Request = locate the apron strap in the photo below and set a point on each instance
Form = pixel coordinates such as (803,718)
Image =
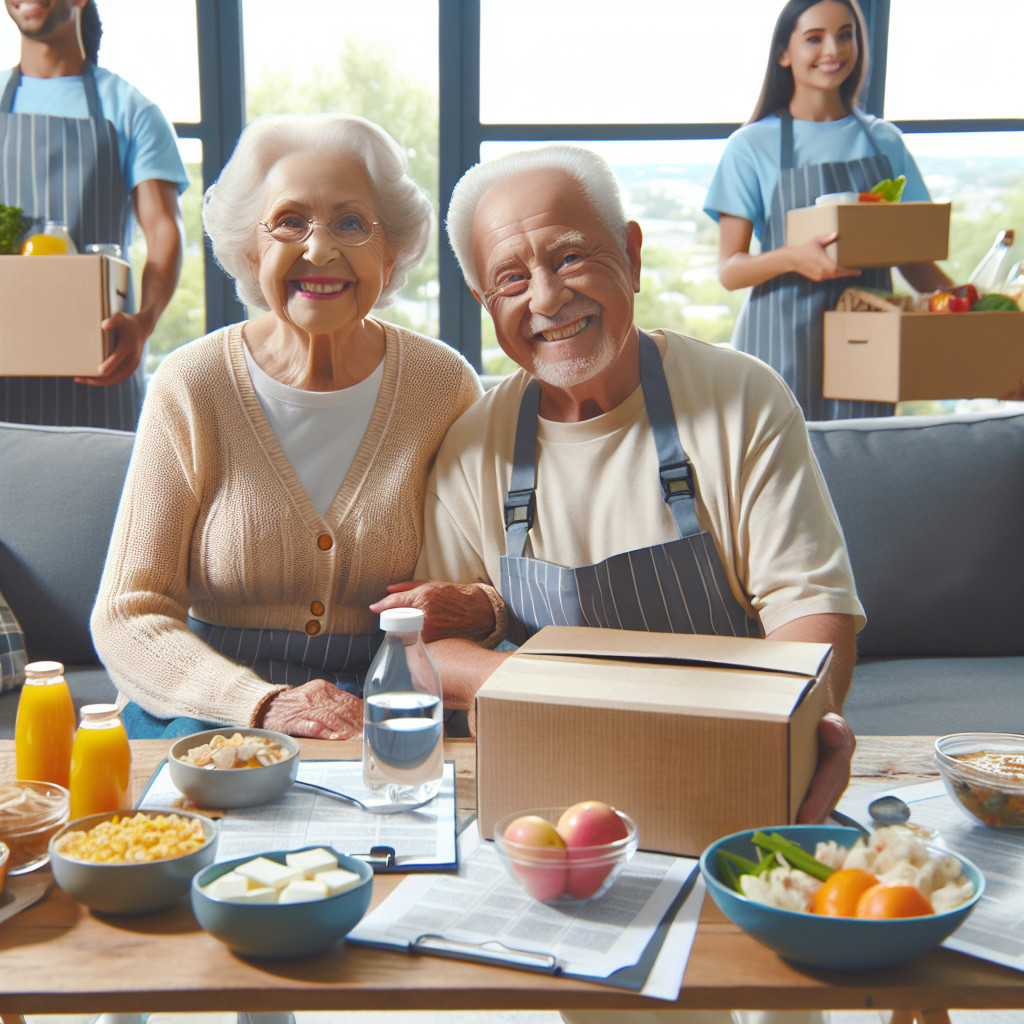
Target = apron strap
(92,95)
(521,502)
(786,141)
(862,121)
(673,464)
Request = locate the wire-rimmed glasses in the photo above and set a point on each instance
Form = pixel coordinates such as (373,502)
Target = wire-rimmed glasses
(347,229)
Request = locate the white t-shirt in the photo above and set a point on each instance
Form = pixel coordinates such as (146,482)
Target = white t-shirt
(320,431)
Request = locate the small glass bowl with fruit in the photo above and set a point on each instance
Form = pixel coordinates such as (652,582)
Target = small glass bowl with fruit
(984,773)
(566,854)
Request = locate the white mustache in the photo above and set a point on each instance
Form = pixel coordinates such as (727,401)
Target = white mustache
(574,310)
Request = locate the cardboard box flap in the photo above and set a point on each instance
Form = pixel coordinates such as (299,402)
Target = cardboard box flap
(659,687)
(782,656)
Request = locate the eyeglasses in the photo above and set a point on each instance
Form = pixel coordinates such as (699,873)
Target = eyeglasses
(347,229)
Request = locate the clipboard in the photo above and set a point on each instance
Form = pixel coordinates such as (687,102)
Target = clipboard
(302,817)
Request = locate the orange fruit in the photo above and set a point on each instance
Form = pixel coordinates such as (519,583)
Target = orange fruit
(44,245)
(893,900)
(840,892)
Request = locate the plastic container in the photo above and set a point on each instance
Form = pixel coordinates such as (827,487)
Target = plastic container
(45,725)
(403,712)
(101,763)
(30,814)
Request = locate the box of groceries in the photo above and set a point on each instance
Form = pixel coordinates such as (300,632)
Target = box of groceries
(694,737)
(52,309)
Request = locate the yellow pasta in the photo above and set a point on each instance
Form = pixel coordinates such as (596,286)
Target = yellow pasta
(134,839)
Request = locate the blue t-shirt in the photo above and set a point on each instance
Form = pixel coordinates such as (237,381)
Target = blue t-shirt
(745,179)
(145,138)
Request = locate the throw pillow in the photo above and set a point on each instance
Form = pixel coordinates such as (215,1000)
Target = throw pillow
(12,649)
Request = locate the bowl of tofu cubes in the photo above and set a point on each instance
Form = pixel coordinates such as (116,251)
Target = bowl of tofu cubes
(285,904)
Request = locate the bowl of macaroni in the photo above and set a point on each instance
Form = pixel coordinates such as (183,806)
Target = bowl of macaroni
(132,862)
(227,768)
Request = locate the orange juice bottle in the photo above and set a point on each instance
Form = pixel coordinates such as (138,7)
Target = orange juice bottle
(45,726)
(100,763)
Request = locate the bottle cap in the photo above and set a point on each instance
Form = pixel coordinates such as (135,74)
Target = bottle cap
(99,712)
(401,620)
(40,669)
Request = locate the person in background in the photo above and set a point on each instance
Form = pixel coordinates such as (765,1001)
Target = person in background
(277,481)
(80,145)
(620,479)
(806,138)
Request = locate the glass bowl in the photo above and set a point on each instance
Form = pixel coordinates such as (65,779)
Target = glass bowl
(563,875)
(984,773)
(30,813)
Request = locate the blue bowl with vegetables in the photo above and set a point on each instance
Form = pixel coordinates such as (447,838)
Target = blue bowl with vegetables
(816,939)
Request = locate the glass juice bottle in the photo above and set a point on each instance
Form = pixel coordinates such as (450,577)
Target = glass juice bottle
(100,763)
(45,725)
(403,756)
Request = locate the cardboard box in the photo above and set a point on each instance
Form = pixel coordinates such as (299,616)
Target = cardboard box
(52,308)
(875,234)
(901,357)
(693,736)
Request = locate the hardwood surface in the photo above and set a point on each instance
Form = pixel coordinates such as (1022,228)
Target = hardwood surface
(58,957)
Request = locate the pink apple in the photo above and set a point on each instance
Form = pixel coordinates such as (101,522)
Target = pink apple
(538,857)
(589,824)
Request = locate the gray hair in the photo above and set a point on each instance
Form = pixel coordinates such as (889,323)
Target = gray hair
(592,173)
(231,206)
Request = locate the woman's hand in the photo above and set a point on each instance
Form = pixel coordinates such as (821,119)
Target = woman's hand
(836,743)
(812,261)
(451,610)
(318,709)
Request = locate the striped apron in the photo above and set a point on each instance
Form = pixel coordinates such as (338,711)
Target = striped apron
(280,656)
(676,587)
(783,321)
(66,169)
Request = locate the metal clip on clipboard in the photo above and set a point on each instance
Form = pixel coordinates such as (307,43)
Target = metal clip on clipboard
(378,857)
(486,952)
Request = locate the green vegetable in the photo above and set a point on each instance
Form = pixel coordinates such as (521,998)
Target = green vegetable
(13,225)
(796,856)
(994,301)
(891,189)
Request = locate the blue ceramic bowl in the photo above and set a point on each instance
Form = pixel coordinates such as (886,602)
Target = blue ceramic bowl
(281,931)
(834,943)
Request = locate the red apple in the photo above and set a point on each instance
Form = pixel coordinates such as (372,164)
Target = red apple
(589,824)
(538,857)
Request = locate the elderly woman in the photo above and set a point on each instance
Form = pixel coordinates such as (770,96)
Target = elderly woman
(277,482)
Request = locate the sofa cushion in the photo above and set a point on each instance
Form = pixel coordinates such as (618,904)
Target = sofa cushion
(12,649)
(61,487)
(931,508)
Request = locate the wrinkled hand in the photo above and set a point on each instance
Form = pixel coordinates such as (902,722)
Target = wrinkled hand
(459,610)
(317,708)
(130,334)
(813,262)
(832,775)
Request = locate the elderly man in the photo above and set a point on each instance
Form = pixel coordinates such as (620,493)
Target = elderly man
(621,479)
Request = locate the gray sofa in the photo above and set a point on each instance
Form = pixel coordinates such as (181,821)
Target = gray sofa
(932,509)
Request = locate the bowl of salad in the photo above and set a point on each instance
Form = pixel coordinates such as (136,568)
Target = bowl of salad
(821,896)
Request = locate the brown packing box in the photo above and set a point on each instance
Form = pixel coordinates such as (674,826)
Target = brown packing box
(902,357)
(875,234)
(695,737)
(50,313)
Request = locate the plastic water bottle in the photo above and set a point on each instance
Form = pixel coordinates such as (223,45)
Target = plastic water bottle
(991,273)
(403,757)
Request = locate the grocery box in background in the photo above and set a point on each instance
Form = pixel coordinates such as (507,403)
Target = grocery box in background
(903,357)
(52,307)
(875,234)
(694,737)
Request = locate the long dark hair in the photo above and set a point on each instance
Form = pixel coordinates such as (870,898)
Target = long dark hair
(92,31)
(777,88)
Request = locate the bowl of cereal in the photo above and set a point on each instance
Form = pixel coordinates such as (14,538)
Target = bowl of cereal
(284,904)
(132,862)
(30,813)
(227,768)
(984,773)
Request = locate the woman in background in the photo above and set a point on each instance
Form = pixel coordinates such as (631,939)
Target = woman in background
(276,486)
(806,138)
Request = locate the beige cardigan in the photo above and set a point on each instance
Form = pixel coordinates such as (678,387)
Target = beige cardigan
(214,522)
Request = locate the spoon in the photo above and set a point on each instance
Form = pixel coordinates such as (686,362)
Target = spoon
(377,808)
(891,810)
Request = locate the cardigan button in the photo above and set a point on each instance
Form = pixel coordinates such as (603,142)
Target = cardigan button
(317,608)
(325,542)
(312,627)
